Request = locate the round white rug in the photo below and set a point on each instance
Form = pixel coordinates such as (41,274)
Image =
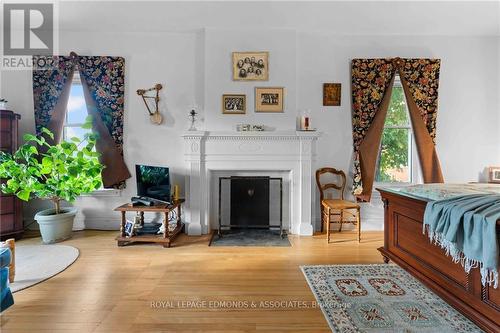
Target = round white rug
(37,263)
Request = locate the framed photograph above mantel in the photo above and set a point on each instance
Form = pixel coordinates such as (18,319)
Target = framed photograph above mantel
(250,66)
(269,99)
(234,104)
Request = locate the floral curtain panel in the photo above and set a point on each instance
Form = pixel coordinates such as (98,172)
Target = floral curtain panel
(420,80)
(52,77)
(372,81)
(422,76)
(103,80)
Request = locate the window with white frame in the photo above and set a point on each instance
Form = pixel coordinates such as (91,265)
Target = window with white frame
(397,160)
(76,111)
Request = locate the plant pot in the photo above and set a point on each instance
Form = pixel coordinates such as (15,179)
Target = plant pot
(56,227)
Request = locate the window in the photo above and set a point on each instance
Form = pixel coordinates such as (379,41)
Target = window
(397,159)
(76,111)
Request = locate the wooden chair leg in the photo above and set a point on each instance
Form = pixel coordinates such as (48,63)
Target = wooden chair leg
(328,226)
(322,217)
(341,219)
(358,218)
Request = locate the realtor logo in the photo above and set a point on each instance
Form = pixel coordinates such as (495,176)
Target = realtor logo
(28,29)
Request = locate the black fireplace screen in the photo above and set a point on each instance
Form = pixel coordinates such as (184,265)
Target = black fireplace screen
(250,202)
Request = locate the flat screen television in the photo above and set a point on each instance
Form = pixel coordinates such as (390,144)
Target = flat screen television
(153,182)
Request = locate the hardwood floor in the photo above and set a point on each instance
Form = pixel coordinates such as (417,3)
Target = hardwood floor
(111,289)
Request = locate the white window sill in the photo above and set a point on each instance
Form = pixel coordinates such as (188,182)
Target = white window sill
(105,192)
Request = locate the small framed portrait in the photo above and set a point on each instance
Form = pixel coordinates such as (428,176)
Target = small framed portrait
(331,94)
(234,104)
(250,66)
(494,174)
(269,99)
(129,228)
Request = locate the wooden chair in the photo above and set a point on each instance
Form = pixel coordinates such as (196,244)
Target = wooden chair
(336,207)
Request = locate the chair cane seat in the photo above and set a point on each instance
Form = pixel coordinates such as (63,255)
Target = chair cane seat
(339,204)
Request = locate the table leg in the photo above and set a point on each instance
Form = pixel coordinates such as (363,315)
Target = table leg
(178,216)
(165,225)
(122,227)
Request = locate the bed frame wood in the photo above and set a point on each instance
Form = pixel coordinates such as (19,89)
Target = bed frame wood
(408,247)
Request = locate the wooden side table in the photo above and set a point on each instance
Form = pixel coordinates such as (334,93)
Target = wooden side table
(166,238)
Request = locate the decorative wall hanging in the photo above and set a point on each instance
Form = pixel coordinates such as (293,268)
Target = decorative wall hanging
(250,66)
(234,104)
(269,99)
(331,94)
(153,110)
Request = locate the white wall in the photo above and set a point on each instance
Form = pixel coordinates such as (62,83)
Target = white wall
(195,67)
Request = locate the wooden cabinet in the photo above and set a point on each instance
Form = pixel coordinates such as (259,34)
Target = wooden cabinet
(11,218)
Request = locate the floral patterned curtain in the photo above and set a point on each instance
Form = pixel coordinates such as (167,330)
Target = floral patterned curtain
(422,76)
(420,80)
(370,81)
(103,79)
(371,89)
(51,83)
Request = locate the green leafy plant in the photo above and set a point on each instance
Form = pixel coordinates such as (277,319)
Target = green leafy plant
(56,172)
(394,147)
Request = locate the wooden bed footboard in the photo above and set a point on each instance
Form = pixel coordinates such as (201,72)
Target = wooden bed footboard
(407,246)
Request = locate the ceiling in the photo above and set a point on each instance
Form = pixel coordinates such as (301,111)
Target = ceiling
(460,18)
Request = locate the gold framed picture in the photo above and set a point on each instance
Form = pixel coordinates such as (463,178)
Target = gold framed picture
(234,104)
(269,99)
(250,66)
(494,175)
(331,94)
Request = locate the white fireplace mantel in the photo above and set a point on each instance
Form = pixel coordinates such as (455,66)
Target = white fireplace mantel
(291,151)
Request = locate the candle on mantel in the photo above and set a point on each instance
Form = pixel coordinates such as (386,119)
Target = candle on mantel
(306,123)
(305,120)
(176,192)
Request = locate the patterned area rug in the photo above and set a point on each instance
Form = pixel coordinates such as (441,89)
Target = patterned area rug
(380,298)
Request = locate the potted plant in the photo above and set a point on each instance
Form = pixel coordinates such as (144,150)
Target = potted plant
(55,172)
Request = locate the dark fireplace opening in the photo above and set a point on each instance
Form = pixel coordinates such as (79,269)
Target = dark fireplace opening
(250,202)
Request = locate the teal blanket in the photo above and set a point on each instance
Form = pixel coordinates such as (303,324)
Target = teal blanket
(465,227)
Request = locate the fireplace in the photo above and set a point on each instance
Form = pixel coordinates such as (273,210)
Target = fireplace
(286,154)
(250,202)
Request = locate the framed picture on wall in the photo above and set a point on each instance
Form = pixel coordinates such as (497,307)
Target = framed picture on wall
(331,94)
(269,99)
(494,175)
(250,66)
(234,104)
